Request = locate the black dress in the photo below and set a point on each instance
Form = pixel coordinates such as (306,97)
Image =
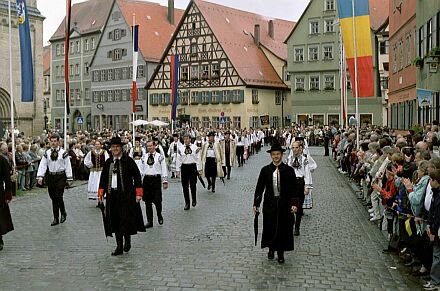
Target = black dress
(278,220)
(5,194)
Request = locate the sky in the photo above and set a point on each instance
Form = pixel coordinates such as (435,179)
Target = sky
(54,10)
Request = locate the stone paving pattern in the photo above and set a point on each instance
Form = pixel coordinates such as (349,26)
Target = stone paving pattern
(210,247)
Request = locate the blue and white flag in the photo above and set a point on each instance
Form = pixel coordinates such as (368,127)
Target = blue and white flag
(27,70)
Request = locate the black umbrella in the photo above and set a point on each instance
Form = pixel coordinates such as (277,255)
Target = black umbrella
(256,226)
(106,221)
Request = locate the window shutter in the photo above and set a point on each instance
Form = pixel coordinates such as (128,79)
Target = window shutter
(124,52)
(209,97)
(110,54)
(110,35)
(123,32)
(168,98)
(241,96)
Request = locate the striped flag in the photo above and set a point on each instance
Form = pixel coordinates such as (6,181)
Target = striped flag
(27,71)
(66,55)
(135,60)
(174,84)
(363,47)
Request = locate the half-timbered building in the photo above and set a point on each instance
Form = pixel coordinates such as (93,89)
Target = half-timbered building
(232,69)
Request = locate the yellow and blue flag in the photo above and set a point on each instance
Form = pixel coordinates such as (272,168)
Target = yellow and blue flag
(363,48)
(27,70)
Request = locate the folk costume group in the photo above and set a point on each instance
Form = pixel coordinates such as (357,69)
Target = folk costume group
(121,179)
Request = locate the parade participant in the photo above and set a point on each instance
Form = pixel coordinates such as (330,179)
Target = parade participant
(239,150)
(156,177)
(158,146)
(137,153)
(303,164)
(188,163)
(57,162)
(5,197)
(212,161)
(95,160)
(228,152)
(122,185)
(172,153)
(277,183)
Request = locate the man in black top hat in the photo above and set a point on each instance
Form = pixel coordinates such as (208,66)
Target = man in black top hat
(276,183)
(121,184)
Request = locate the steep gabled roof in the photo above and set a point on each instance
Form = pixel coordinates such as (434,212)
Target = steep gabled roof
(89,16)
(155,31)
(46,60)
(234,30)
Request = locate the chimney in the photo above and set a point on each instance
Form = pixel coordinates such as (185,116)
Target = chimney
(257,35)
(270,29)
(171,12)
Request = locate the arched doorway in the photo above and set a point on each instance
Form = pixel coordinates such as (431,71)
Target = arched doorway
(5,108)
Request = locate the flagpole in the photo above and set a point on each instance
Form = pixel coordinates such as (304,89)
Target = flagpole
(355,77)
(341,78)
(11,89)
(134,78)
(66,94)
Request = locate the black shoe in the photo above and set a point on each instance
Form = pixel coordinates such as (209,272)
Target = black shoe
(209,187)
(63,218)
(160,219)
(228,178)
(149,225)
(187,206)
(271,255)
(296,232)
(280,257)
(118,251)
(127,244)
(194,203)
(213,190)
(55,222)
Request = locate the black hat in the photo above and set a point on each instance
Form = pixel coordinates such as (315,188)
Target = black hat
(211,133)
(228,132)
(299,138)
(276,147)
(175,134)
(137,138)
(116,140)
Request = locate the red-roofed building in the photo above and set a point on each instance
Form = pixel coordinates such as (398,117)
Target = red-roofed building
(231,70)
(111,67)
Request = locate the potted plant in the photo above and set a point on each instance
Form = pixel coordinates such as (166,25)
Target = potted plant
(418,62)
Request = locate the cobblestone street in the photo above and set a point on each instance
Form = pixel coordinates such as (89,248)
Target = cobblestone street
(210,247)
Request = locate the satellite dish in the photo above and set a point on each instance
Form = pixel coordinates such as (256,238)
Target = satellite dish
(352,121)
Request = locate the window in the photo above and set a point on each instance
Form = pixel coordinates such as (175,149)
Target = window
(205,97)
(193,49)
(72,47)
(214,97)
(205,121)
(215,70)
(236,121)
(299,83)
(77,69)
(86,69)
(58,98)
(421,43)
(78,94)
(255,96)
(314,83)
(63,49)
(103,75)
(215,122)
(95,97)
(96,76)
(277,97)
(63,95)
(86,45)
(124,73)
(384,82)
(110,74)
(429,35)
(329,4)
(116,54)
(329,26)
(87,94)
(117,95)
(124,94)
(286,74)
(110,96)
(184,73)
(236,96)
(141,71)
(400,54)
(194,97)
(408,49)
(78,46)
(205,72)
(92,40)
(225,97)
(195,72)
(384,47)
(328,52)
(117,74)
(313,53)
(58,72)
(71,70)
(103,96)
(117,34)
(314,27)
(58,51)
(394,59)
(329,82)
(184,96)
(275,121)
(299,54)
(62,71)
(72,95)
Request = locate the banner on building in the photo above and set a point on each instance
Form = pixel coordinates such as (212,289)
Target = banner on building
(174,85)
(27,70)
(135,61)
(424,97)
(357,25)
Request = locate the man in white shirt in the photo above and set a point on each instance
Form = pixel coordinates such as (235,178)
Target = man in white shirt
(155,177)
